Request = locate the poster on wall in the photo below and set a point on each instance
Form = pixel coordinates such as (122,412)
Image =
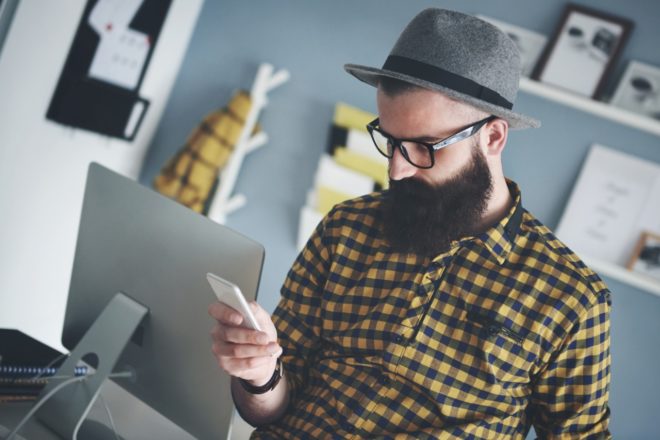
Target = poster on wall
(615,199)
(99,87)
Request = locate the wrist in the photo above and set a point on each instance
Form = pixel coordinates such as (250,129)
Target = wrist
(263,386)
(260,381)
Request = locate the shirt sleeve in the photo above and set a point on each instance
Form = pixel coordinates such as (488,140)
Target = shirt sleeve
(297,316)
(570,396)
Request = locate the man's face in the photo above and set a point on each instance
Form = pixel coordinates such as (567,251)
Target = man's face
(427,116)
(426,209)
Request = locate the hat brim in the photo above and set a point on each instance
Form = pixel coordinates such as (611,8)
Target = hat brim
(371,75)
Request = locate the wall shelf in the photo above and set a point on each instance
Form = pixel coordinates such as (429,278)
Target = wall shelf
(601,109)
(624,275)
(621,116)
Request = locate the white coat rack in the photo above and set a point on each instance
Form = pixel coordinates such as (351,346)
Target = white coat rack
(224,202)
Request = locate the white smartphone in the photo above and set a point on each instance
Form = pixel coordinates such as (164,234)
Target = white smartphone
(230,294)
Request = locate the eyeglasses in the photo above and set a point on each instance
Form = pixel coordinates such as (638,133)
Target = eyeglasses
(417,153)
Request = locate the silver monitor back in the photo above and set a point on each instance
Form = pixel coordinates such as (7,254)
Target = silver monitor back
(133,240)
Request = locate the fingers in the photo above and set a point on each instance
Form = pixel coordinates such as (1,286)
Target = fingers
(263,318)
(240,335)
(225,314)
(242,351)
(237,342)
(246,361)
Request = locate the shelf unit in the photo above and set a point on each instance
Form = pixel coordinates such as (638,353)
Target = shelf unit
(601,109)
(622,274)
(620,116)
(224,201)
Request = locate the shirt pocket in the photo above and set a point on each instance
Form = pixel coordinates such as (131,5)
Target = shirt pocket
(501,350)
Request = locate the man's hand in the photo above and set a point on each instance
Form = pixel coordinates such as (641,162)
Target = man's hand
(244,353)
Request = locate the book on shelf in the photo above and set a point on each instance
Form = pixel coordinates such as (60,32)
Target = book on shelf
(350,167)
(26,365)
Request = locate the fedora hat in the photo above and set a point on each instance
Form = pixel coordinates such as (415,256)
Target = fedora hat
(459,55)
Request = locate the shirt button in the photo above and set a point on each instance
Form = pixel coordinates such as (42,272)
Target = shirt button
(398,339)
(493,330)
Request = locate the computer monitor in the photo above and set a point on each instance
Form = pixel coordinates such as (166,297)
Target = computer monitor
(157,252)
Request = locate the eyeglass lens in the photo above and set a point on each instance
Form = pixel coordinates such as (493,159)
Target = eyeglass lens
(416,153)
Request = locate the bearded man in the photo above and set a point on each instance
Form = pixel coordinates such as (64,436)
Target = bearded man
(439,308)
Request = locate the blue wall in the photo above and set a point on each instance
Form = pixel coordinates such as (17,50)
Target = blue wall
(313,39)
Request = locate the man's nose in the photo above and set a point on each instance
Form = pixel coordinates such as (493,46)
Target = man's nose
(399,167)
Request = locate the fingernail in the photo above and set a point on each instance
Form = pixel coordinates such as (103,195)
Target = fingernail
(276,351)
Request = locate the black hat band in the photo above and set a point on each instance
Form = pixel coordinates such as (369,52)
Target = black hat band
(444,78)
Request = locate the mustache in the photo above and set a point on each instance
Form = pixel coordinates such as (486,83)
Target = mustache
(410,187)
(416,191)
(424,218)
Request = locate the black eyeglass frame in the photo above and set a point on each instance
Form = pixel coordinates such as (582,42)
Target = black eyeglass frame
(460,135)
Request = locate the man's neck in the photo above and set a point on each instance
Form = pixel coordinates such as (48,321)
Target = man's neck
(499,204)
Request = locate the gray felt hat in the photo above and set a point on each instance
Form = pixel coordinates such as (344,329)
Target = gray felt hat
(459,55)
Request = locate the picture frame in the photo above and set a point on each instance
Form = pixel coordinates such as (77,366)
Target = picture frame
(530,43)
(615,198)
(639,90)
(583,50)
(646,256)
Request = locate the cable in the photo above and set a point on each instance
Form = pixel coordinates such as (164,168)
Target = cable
(112,420)
(123,374)
(50,364)
(58,387)
(41,401)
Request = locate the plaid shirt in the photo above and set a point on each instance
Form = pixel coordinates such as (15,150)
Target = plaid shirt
(507,329)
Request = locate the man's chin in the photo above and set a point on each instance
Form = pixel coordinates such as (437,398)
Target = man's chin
(424,219)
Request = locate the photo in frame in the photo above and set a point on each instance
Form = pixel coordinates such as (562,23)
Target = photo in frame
(615,198)
(583,50)
(529,43)
(646,256)
(639,90)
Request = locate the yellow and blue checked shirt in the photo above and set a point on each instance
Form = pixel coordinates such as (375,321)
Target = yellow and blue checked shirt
(505,330)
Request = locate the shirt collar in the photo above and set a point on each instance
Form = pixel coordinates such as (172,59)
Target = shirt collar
(499,239)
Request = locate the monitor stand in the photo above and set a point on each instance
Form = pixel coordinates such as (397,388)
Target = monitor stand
(94,430)
(66,410)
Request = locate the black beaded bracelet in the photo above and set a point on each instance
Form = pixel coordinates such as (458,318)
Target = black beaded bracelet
(268,386)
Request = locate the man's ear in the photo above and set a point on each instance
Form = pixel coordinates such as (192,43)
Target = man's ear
(494,136)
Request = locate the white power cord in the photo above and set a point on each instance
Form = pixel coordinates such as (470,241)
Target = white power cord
(41,401)
(50,364)
(57,388)
(112,420)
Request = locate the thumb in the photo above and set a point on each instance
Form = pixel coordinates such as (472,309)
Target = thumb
(264,319)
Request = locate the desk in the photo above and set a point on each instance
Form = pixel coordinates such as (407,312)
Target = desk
(134,419)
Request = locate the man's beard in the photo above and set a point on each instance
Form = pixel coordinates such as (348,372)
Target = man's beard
(423,219)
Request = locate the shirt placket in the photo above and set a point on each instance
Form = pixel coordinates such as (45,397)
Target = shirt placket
(403,338)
